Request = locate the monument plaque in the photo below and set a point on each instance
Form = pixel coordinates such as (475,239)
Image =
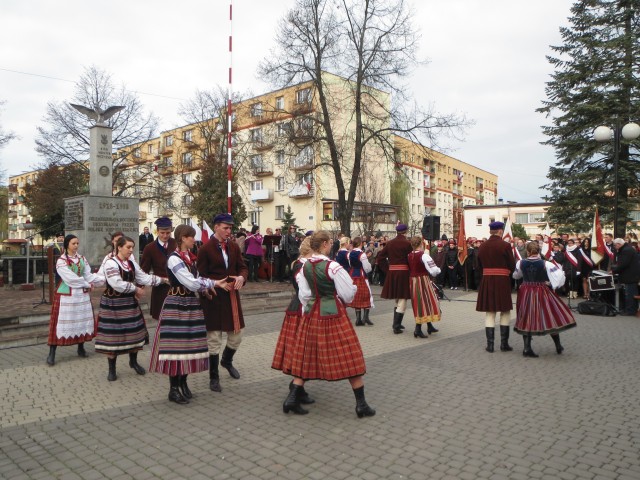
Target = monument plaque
(74,215)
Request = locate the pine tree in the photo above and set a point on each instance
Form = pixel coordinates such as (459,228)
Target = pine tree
(288,220)
(593,84)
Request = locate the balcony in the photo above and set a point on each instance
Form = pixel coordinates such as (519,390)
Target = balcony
(27,226)
(166,169)
(262,145)
(300,190)
(262,169)
(480,186)
(264,195)
(429,202)
(428,186)
(13,214)
(457,193)
(13,188)
(301,164)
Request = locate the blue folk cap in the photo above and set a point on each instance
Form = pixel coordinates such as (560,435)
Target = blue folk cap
(309,233)
(496,226)
(401,227)
(223,218)
(163,222)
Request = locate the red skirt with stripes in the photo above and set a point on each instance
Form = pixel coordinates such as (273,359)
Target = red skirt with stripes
(286,342)
(424,300)
(540,311)
(53,339)
(327,348)
(362,298)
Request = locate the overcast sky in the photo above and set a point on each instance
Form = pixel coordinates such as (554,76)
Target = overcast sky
(486,59)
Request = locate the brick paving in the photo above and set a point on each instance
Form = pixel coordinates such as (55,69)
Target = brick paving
(446,410)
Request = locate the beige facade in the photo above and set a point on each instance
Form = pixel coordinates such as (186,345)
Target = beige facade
(532,216)
(20,225)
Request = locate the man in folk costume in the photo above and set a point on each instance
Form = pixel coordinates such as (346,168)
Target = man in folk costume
(154,258)
(396,285)
(495,257)
(221,259)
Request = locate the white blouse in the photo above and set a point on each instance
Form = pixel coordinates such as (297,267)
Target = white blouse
(115,281)
(430,265)
(86,279)
(345,288)
(179,268)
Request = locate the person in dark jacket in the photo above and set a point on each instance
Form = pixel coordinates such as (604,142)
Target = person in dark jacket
(627,267)
(452,265)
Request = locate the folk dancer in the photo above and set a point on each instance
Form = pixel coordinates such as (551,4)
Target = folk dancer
(424,300)
(180,344)
(539,310)
(342,257)
(121,326)
(72,321)
(359,268)
(495,256)
(221,260)
(396,285)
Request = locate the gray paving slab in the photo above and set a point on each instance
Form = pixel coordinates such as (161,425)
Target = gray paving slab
(446,409)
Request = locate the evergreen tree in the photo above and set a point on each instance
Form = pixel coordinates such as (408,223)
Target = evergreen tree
(519,231)
(288,220)
(593,84)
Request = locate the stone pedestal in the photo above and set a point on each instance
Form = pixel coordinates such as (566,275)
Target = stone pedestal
(100,161)
(94,218)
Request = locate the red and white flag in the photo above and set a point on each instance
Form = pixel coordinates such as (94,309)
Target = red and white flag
(598,250)
(206,232)
(547,248)
(198,236)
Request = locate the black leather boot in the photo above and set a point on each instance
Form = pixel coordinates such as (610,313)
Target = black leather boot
(528,352)
(81,351)
(362,408)
(397,322)
(51,359)
(214,375)
(491,335)
(418,332)
(359,322)
(556,340)
(227,362)
(305,399)
(133,363)
(365,317)
(174,392)
(292,402)
(184,388)
(504,339)
(431,329)
(112,369)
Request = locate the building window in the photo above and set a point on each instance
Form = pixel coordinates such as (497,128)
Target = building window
(304,158)
(167,161)
(168,140)
(303,96)
(257,185)
(137,153)
(279,212)
(479,221)
(187,179)
(256,135)
(149,149)
(522,218)
(279,184)
(256,110)
(187,159)
(279,103)
(306,179)
(283,129)
(187,136)
(280,157)
(186,200)
(256,161)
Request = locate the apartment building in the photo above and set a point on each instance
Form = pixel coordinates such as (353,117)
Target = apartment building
(20,226)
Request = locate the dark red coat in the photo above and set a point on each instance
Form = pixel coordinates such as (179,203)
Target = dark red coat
(217,312)
(396,284)
(154,259)
(494,294)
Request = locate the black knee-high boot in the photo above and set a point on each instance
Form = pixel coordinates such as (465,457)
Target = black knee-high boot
(227,362)
(504,339)
(51,359)
(81,351)
(491,336)
(292,402)
(528,352)
(214,375)
(397,322)
(184,388)
(174,392)
(556,340)
(365,318)
(112,369)
(359,318)
(362,407)
(133,363)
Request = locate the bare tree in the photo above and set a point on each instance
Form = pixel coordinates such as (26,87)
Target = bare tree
(5,137)
(372,45)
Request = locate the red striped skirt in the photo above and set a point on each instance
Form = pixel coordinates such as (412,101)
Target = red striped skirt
(53,338)
(286,342)
(362,298)
(540,311)
(424,300)
(327,348)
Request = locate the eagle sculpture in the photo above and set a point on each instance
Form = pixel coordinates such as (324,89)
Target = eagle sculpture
(100,116)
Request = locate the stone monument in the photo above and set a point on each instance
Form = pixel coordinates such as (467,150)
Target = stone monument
(94,217)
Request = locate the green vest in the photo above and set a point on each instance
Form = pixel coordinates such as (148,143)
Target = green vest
(63,288)
(322,287)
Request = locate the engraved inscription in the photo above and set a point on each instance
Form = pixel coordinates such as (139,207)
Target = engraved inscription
(74,215)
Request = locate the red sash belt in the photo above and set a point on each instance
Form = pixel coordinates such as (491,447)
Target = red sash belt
(398,267)
(501,272)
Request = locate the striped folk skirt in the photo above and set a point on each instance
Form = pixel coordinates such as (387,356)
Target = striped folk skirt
(424,300)
(286,342)
(362,299)
(180,343)
(72,319)
(540,311)
(327,348)
(121,327)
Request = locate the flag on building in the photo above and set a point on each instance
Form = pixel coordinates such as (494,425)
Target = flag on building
(462,241)
(597,240)
(198,236)
(206,232)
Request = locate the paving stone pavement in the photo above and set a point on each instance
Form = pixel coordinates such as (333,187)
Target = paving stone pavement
(446,410)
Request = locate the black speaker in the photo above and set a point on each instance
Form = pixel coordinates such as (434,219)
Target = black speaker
(431,227)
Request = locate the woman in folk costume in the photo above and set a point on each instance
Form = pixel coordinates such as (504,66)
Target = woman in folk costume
(572,267)
(342,257)
(72,321)
(293,314)
(180,344)
(587,266)
(121,327)
(424,300)
(326,347)
(359,268)
(539,310)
